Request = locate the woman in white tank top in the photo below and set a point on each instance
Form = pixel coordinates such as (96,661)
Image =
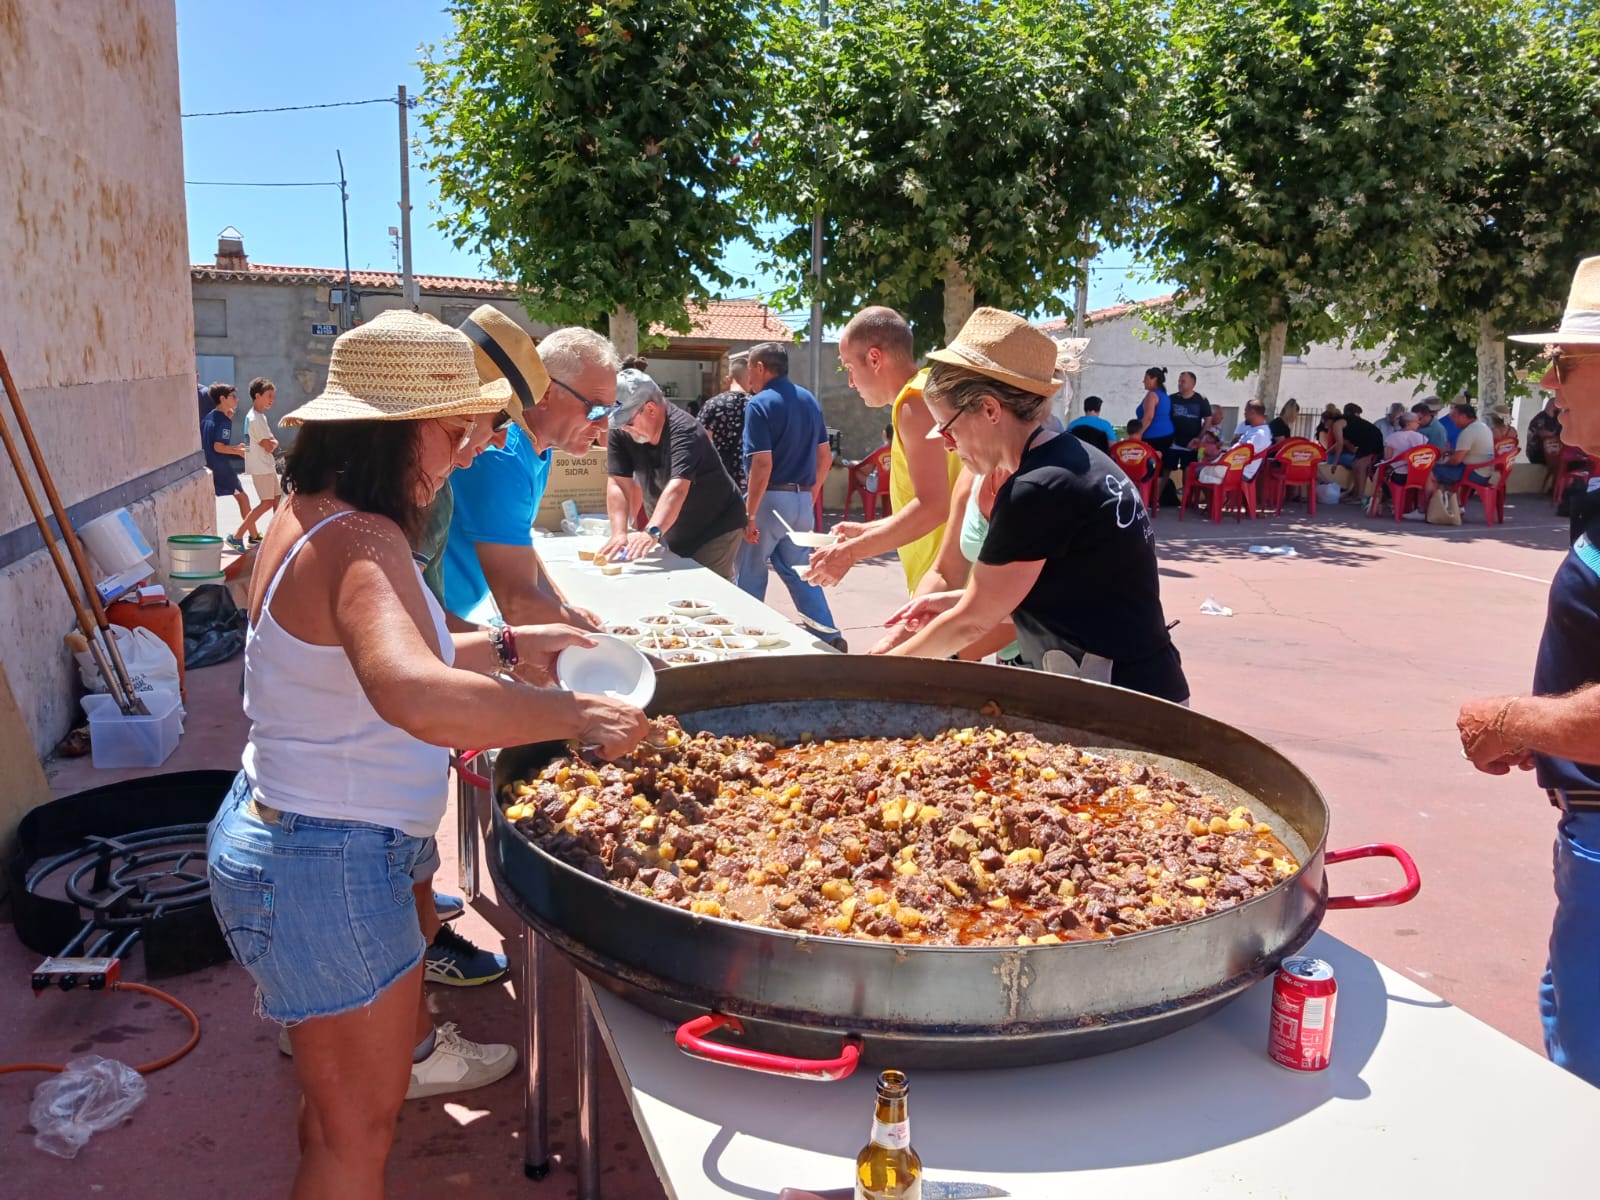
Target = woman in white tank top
(355,692)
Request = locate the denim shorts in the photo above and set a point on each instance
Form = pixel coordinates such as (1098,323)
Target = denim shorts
(319,912)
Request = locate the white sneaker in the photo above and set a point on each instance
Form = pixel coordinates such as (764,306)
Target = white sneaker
(1416,514)
(457,1065)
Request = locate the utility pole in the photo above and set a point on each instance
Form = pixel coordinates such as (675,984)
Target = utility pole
(344,211)
(408,285)
(816,265)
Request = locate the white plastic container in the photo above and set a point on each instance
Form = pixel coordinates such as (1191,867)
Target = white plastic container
(185,582)
(116,544)
(120,740)
(195,553)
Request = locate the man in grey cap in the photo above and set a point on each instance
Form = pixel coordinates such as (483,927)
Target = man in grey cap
(659,458)
(1391,423)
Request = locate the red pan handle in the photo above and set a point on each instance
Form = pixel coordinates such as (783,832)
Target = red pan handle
(470,777)
(692,1040)
(1400,895)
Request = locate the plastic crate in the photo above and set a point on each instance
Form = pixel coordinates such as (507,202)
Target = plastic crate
(120,740)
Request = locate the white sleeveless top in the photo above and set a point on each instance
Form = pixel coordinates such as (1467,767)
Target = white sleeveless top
(317,746)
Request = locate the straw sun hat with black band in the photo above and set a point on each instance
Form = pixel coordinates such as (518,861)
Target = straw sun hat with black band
(504,350)
(1003,346)
(402,366)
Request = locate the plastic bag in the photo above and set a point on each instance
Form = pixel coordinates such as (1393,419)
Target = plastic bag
(1209,607)
(213,626)
(151,664)
(1329,493)
(92,1094)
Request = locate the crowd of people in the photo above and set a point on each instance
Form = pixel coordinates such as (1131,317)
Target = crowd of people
(398,608)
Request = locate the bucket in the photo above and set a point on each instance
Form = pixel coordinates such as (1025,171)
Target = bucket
(195,553)
(184,582)
(116,543)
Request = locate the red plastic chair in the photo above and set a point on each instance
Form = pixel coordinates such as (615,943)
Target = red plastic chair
(1419,462)
(877,461)
(1491,494)
(1290,463)
(1572,464)
(1140,462)
(1233,488)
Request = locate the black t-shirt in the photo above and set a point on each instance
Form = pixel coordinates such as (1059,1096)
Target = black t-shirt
(1364,436)
(1188,417)
(1569,651)
(1072,506)
(1280,428)
(713,505)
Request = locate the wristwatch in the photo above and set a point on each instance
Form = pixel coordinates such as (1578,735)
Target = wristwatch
(654,531)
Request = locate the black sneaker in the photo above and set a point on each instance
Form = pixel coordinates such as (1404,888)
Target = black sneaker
(455,961)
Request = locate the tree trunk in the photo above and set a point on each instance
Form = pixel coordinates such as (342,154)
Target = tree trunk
(625,332)
(1491,366)
(960,297)
(1270,375)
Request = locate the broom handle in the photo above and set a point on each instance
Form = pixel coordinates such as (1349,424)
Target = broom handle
(74,547)
(85,622)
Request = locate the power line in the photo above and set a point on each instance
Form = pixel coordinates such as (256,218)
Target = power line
(236,183)
(242,112)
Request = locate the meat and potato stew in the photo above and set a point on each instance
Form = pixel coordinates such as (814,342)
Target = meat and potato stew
(973,837)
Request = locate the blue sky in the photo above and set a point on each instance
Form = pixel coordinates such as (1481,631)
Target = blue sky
(260,55)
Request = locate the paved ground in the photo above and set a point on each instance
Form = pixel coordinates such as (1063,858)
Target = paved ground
(1350,657)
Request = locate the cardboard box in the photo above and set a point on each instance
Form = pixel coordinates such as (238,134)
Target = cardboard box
(580,478)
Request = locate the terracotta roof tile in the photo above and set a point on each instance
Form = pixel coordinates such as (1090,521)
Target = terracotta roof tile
(719,321)
(334,277)
(1110,313)
(732,321)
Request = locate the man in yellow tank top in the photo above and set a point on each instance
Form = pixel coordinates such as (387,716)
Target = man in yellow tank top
(876,350)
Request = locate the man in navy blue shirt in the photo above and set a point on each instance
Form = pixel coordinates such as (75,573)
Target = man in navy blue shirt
(222,456)
(1556,730)
(787,457)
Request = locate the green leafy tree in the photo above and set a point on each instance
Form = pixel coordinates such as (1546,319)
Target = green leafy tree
(1532,207)
(585,150)
(1309,147)
(958,148)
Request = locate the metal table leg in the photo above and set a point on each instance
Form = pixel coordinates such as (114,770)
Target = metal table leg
(535,1119)
(588,1098)
(467,795)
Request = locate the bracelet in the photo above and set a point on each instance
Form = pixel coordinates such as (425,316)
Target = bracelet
(1500,718)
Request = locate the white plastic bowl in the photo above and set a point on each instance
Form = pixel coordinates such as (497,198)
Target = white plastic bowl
(684,658)
(690,608)
(610,667)
(763,637)
(726,642)
(813,541)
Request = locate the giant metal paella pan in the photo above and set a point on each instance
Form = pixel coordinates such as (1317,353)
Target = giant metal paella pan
(813,1006)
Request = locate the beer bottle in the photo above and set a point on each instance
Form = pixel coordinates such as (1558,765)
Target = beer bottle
(888,1168)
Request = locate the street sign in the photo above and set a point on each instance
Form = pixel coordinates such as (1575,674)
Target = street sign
(324,331)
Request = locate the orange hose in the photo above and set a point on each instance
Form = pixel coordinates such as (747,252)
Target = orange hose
(149,1067)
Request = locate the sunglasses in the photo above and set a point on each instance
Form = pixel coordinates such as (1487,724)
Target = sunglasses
(944,430)
(1565,360)
(596,411)
(501,420)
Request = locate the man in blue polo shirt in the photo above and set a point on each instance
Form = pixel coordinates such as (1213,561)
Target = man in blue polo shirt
(1555,731)
(565,391)
(787,457)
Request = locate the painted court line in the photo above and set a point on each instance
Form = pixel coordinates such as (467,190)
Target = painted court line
(1450,562)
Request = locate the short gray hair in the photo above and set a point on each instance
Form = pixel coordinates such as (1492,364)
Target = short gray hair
(962,389)
(774,356)
(739,367)
(570,351)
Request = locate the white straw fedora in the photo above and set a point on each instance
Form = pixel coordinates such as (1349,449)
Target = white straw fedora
(401,366)
(505,350)
(1003,346)
(1580,324)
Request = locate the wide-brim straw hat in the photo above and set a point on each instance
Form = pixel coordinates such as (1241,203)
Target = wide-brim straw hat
(505,350)
(1002,346)
(401,366)
(1580,324)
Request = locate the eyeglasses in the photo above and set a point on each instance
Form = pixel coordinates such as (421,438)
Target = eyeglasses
(596,411)
(501,420)
(944,430)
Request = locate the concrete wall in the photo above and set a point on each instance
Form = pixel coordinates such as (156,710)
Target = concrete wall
(95,317)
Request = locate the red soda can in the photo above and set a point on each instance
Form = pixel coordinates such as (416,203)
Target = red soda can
(1303,995)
